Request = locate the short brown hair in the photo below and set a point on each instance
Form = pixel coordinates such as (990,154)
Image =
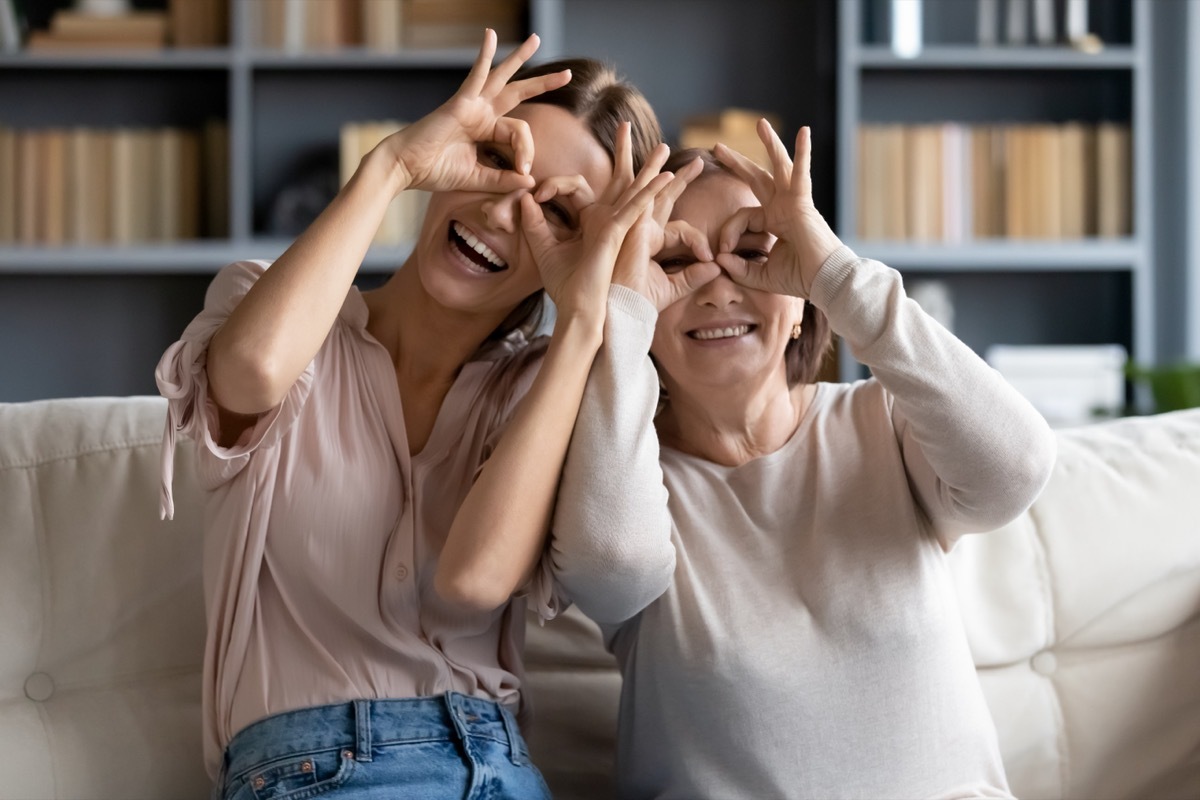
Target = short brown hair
(803,356)
(602,100)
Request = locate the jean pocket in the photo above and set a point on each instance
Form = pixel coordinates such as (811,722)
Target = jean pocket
(297,777)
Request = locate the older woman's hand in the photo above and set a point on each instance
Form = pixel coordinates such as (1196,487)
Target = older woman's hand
(439,152)
(653,233)
(577,270)
(805,239)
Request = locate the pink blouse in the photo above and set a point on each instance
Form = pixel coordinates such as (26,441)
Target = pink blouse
(323,534)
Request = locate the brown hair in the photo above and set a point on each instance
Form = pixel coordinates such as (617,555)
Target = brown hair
(803,356)
(602,100)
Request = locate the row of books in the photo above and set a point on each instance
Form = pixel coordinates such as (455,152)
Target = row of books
(304,25)
(402,220)
(113,186)
(953,182)
(907,24)
(184,23)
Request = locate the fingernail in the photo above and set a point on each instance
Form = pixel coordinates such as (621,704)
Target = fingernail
(526,167)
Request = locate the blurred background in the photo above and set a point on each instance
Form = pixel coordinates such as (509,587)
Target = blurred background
(1024,163)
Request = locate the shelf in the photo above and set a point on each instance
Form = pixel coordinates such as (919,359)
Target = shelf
(164,259)
(880,57)
(362,58)
(200,58)
(1006,256)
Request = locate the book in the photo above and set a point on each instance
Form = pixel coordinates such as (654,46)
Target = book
(897,172)
(382,24)
(437,23)
(987,22)
(122,205)
(1017,22)
(29,185)
(1043,22)
(906,33)
(53,196)
(190,180)
(8,185)
(736,128)
(1114,180)
(1073,178)
(10,28)
(150,26)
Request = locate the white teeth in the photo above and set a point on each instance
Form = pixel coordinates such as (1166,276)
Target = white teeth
(722,333)
(479,247)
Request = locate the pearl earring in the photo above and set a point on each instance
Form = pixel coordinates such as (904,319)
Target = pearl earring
(796,331)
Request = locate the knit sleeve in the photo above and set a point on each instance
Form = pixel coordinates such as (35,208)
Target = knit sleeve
(610,546)
(976,452)
(182,378)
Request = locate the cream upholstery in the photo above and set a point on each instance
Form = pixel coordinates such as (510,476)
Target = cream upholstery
(1084,617)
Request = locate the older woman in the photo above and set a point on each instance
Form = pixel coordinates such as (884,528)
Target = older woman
(806,640)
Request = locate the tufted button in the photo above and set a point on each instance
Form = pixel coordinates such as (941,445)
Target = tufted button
(401,572)
(39,687)
(1044,663)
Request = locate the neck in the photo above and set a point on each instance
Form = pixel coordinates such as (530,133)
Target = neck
(733,426)
(428,342)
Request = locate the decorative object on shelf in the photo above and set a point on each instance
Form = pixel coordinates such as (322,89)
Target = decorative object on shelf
(1069,384)
(1075,22)
(304,197)
(1173,386)
(907,27)
(736,128)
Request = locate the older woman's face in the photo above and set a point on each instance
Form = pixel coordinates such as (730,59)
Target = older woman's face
(722,336)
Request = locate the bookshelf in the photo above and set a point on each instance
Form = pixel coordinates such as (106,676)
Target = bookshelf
(1042,288)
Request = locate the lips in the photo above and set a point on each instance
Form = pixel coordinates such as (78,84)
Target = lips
(474,250)
(716,333)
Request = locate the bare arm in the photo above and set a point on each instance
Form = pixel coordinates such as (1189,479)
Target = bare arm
(280,325)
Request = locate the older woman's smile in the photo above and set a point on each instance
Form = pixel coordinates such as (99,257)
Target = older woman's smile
(720,332)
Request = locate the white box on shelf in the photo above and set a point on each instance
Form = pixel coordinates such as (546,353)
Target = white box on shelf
(1068,384)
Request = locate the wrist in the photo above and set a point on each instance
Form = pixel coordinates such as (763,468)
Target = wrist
(584,330)
(387,160)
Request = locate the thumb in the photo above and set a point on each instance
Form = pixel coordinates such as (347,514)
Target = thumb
(691,278)
(741,271)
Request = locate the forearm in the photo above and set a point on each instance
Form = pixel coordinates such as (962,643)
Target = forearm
(976,450)
(280,325)
(611,544)
(498,535)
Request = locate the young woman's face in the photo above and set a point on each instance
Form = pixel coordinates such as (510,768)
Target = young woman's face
(471,254)
(722,336)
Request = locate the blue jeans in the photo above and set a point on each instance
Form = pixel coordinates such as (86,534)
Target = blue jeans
(452,746)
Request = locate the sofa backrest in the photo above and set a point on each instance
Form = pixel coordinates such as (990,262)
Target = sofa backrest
(1083,616)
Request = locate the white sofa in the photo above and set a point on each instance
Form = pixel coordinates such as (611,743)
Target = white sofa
(1083,615)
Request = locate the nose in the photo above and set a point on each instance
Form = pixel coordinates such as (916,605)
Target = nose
(501,211)
(720,292)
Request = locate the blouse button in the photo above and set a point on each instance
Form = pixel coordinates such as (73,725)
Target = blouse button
(401,572)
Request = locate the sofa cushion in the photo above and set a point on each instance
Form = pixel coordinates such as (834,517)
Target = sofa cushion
(102,628)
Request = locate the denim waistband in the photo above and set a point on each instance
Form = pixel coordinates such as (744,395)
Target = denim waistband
(360,725)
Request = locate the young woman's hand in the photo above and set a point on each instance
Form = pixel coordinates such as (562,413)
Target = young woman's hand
(652,234)
(439,152)
(805,239)
(577,269)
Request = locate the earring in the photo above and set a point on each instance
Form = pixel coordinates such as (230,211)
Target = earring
(796,331)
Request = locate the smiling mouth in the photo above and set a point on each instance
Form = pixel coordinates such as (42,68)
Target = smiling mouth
(729,332)
(474,250)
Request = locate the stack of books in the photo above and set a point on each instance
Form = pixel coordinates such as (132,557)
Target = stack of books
(307,25)
(736,128)
(75,30)
(402,221)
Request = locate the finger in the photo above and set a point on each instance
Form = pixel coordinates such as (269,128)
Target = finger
(477,77)
(758,179)
(500,181)
(665,202)
(780,162)
(691,278)
(804,161)
(629,212)
(516,133)
(509,66)
(678,232)
(649,172)
(518,92)
(744,220)
(736,267)
(565,186)
(534,226)
(622,172)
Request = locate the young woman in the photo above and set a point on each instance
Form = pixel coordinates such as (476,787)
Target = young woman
(806,642)
(376,493)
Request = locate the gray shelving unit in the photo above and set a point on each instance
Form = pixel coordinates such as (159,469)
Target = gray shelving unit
(1015,292)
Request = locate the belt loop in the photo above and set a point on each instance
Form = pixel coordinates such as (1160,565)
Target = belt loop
(362,730)
(516,743)
(455,712)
